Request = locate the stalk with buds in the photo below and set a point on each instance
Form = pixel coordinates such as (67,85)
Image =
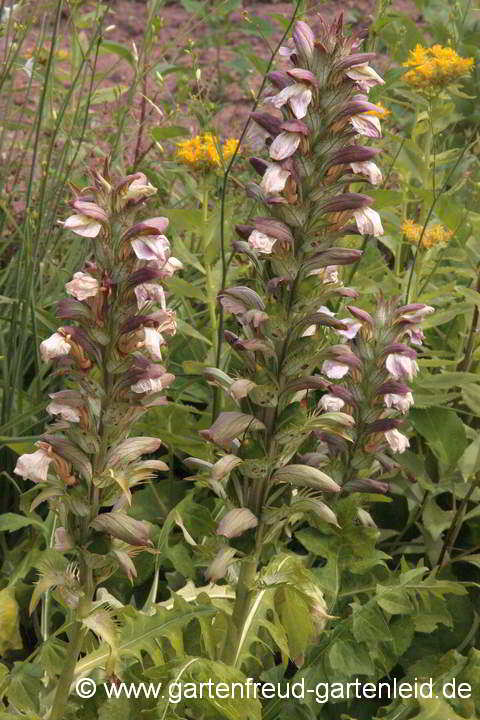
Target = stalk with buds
(109,350)
(311,127)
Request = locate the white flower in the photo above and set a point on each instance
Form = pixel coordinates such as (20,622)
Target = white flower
(401,367)
(397,441)
(153,340)
(28,67)
(284,145)
(364,76)
(274,179)
(331,403)
(334,369)
(65,403)
(240,388)
(150,292)
(83,225)
(368,221)
(170,267)
(139,188)
(155,247)
(402,403)
(53,347)
(369,169)
(152,385)
(416,335)
(416,316)
(82,286)
(328,274)
(353,328)
(297,95)
(260,242)
(34,466)
(368,125)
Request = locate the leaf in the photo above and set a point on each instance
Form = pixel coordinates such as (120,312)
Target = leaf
(9,522)
(109,94)
(443,430)
(142,634)
(469,463)
(9,622)
(200,671)
(471,398)
(182,288)
(435,519)
(369,624)
(296,618)
(165,133)
(191,219)
(118,49)
(348,659)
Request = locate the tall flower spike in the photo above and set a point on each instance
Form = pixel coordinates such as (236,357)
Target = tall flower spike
(309,125)
(120,326)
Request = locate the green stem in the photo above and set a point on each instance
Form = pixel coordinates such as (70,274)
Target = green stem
(66,677)
(248,572)
(457,523)
(210,283)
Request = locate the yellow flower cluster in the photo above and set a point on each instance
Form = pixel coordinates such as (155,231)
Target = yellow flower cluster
(382,113)
(435,67)
(434,235)
(205,151)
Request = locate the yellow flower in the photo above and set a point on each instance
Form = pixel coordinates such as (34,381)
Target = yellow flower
(382,113)
(433,235)
(205,151)
(435,67)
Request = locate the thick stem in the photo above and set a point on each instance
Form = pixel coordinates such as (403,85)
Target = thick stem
(66,677)
(246,579)
(211,289)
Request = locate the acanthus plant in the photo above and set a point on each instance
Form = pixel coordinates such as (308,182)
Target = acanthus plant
(297,438)
(109,352)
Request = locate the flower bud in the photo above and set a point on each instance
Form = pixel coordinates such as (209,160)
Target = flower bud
(304,76)
(360,314)
(305,476)
(367,485)
(304,39)
(236,522)
(347,201)
(218,567)
(279,78)
(131,449)
(121,526)
(230,425)
(239,299)
(270,123)
(63,541)
(223,467)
